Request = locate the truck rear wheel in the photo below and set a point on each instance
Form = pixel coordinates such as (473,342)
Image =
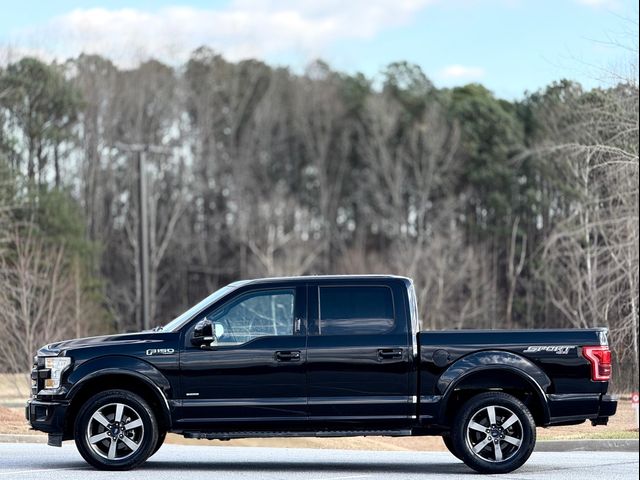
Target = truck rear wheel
(494,433)
(116,430)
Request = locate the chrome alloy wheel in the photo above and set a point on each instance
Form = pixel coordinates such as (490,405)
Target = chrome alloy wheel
(494,434)
(115,431)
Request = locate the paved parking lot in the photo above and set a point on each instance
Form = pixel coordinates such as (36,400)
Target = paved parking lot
(33,461)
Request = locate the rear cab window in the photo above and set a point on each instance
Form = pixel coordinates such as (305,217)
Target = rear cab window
(355,310)
(364,310)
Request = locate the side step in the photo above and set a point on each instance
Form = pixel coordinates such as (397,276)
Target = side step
(321,433)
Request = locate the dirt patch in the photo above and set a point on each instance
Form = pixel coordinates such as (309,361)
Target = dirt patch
(347,443)
(12,421)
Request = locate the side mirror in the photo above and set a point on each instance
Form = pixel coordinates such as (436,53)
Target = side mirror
(203,334)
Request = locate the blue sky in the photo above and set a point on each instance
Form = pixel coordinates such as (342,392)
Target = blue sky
(508,45)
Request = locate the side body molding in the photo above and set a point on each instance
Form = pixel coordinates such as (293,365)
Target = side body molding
(495,360)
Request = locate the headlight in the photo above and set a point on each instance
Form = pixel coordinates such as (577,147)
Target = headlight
(56,365)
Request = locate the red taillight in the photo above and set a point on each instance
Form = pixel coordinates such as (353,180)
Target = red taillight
(600,358)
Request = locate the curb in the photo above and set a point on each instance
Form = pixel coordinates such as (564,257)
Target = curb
(627,445)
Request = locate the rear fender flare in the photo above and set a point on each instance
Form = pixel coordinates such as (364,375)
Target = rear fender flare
(495,360)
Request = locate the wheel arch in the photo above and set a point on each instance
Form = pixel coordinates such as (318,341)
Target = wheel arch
(495,371)
(120,379)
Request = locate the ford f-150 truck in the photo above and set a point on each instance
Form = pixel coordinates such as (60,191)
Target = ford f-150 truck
(324,356)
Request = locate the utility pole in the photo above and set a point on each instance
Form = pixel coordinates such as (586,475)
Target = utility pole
(143,235)
(143,225)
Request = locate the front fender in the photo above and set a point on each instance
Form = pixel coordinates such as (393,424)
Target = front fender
(119,365)
(496,360)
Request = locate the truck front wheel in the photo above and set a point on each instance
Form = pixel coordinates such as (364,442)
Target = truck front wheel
(448,442)
(494,433)
(116,430)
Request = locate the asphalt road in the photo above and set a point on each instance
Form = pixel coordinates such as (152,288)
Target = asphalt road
(178,462)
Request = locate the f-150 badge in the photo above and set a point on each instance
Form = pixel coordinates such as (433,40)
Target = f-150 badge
(160,351)
(557,349)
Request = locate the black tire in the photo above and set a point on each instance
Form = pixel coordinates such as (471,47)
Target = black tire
(161,436)
(448,442)
(494,433)
(98,428)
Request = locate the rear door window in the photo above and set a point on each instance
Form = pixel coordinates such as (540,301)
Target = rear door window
(355,310)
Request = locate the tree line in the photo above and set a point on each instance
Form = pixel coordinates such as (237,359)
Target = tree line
(507,214)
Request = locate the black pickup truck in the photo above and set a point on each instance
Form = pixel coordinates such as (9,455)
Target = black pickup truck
(325,356)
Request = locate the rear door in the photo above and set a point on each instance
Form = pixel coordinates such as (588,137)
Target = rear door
(358,360)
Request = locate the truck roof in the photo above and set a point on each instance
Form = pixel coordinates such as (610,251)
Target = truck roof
(306,278)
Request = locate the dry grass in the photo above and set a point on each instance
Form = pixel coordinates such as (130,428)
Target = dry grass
(14,386)
(620,426)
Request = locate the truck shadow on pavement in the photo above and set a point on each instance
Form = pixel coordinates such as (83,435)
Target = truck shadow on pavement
(308,467)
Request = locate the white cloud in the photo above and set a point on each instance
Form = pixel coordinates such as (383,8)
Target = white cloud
(461,72)
(245,28)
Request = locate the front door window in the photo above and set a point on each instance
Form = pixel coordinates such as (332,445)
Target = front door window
(256,314)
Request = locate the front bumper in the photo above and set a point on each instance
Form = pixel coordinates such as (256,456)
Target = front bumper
(48,417)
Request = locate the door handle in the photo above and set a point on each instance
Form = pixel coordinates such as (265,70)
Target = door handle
(390,353)
(291,356)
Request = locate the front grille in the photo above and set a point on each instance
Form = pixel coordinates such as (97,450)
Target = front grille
(38,374)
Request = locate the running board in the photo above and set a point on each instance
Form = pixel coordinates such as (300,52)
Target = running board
(321,433)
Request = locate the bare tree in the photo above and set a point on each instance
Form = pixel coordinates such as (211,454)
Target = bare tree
(279,239)
(36,299)
(319,120)
(591,257)
(408,166)
(514,270)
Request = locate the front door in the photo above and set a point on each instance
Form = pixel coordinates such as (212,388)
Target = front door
(358,358)
(255,376)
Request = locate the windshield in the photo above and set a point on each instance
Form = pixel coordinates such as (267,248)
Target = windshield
(177,322)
